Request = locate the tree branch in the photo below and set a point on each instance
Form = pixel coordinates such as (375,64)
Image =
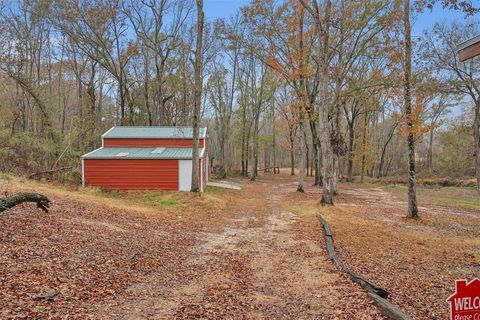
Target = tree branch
(42,201)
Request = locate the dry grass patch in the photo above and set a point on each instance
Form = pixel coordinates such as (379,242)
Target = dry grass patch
(417,261)
(181,206)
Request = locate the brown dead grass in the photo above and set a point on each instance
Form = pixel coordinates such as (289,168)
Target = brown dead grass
(181,206)
(164,255)
(418,261)
(253,254)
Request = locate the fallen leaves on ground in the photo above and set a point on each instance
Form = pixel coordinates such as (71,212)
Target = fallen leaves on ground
(236,255)
(417,261)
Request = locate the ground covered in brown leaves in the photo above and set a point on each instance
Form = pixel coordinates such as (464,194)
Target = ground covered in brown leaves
(224,255)
(417,261)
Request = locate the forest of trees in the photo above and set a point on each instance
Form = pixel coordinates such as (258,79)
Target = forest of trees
(339,90)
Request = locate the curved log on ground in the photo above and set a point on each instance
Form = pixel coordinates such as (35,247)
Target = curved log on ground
(377,294)
(42,201)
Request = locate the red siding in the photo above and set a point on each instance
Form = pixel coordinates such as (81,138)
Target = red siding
(122,142)
(130,174)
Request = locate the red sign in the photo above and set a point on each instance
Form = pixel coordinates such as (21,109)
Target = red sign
(465,302)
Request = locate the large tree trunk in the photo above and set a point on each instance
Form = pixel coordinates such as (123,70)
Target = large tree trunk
(42,201)
(244,125)
(316,153)
(412,196)
(325,142)
(301,114)
(223,137)
(292,152)
(307,153)
(198,98)
(274,138)
(336,173)
(255,149)
(364,146)
(303,155)
(351,152)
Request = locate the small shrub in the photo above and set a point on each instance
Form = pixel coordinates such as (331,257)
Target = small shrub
(394,187)
(110,193)
(211,189)
(5,177)
(159,199)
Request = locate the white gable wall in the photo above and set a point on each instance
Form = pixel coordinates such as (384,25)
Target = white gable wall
(201,175)
(184,175)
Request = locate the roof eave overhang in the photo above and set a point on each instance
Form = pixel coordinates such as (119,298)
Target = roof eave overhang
(469,49)
(167,138)
(105,135)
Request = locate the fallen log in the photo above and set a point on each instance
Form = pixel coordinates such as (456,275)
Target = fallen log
(326,228)
(368,286)
(329,242)
(377,294)
(33,175)
(332,254)
(391,311)
(42,201)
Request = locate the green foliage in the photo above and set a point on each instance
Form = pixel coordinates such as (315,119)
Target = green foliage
(160,199)
(456,153)
(27,153)
(211,189)
(5,177)
(24,153)
(110,193)
(395,188)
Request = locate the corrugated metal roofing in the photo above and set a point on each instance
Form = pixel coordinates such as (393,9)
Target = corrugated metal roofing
(141,153)
(153,132)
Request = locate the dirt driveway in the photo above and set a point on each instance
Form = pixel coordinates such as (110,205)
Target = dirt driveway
(260,261)
(265,263)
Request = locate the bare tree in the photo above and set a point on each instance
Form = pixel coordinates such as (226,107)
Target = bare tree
(412,194)
(322,29)
(160,34)
(102,39)
(462,78)
(195,187)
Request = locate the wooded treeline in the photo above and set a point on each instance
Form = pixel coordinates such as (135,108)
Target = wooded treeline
(324,87)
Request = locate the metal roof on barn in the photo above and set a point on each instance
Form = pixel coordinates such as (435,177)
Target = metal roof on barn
(153,132)
(142,153)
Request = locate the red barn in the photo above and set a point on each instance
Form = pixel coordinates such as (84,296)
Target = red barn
(146,158)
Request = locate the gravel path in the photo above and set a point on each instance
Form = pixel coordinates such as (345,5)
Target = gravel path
(265,263)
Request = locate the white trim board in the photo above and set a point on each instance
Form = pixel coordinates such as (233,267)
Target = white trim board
(103,135)
(83,174)
(86,154)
